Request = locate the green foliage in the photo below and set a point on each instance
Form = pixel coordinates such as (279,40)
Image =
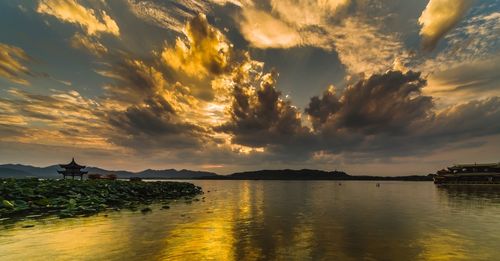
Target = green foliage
(70,198)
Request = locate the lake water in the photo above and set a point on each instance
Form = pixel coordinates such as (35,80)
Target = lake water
(280,220)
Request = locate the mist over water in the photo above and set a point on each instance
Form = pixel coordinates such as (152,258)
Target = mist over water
(280,220)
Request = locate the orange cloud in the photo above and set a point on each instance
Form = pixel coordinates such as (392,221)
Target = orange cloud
(11,64)
(262,30)
(72,12)
(89,44)
(205,52)
(439,17)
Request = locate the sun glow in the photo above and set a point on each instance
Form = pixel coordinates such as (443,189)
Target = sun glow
(215,112)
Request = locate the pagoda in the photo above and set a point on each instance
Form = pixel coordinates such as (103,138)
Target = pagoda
(72,169)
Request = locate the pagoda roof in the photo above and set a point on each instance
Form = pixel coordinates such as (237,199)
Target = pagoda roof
(69,173)
(72,165)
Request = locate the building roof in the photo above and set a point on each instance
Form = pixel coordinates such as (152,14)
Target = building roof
(65,172)
(475,165)
(72,165)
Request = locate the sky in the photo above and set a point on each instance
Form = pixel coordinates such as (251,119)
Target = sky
(377,87)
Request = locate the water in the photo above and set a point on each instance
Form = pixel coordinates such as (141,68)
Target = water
(280,220)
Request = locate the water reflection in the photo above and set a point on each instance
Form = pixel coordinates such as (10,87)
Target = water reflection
(477,194)
(281,220)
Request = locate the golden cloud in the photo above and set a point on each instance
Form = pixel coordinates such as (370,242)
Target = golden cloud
(68,118)
(362,46)
(72,12)
(90,44)
(307,12)
(205,52)
(11,63)
(172,17)
(262,30)
(439,17)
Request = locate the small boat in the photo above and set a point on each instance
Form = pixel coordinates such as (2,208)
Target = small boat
(469,174)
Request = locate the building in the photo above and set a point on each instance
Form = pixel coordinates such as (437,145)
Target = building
(72,169)
(484,173)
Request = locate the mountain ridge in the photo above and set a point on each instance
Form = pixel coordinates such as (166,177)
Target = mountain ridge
(23,171)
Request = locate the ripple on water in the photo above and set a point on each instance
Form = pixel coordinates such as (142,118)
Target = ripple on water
(291,220)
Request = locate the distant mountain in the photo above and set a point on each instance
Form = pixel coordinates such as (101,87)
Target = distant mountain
(12,173)
(290,174)
(175,174)
(154,174)
(24,171)
(311,174)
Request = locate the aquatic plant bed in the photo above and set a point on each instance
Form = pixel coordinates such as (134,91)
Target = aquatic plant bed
(21,198)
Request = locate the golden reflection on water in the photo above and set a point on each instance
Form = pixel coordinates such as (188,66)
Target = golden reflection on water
(216,238)
(443,244)
(262,220)
(63,239)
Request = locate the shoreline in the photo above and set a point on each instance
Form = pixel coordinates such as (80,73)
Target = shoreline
(358,178)
(33,198)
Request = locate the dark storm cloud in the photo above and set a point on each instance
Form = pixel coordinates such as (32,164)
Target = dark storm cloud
(472,119)
(155,117)
(386,115)
(146,116)
(388,102)
(380,117)
(452,126)
(153,125)
(261,117)
(134,81)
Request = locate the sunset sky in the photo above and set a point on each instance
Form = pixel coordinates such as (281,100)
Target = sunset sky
(377,87)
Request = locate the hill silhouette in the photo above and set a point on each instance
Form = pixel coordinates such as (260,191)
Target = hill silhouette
(50,172)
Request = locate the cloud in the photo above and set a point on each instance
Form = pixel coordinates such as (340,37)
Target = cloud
(387,116)
(460,122)
(145,113)
(443,130)
(92,45)
(466,81)
(134,81)
(439,17)
(360,41)
(71,11)
(260,116)
(154,125)
(34,117)
(390,102)
(12,66)
(205,52)
(363,47)
(467,65)
(169,14)
(308,12)
(290,23)
(262,30)
(69,107)
(199,100)
(474,40)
